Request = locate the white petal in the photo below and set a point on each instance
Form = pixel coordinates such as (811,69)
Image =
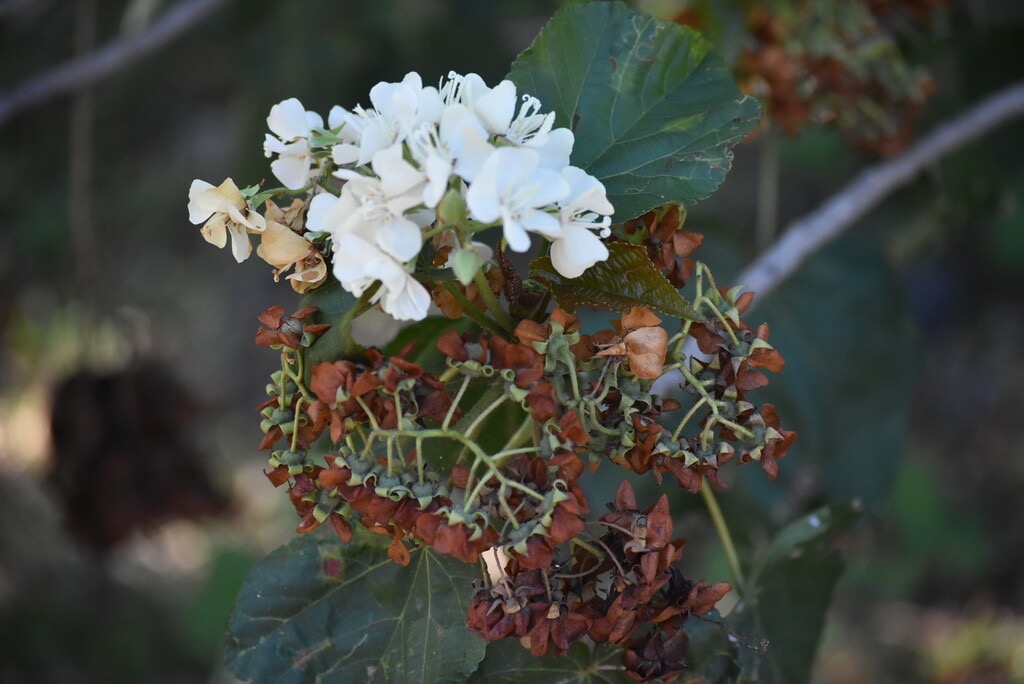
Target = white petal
(353,256)
(345,153)
(576,251)
(375,138)
(220,198)
(397,175)
(555,150)
(292,169)
(430,106)
(438,172)
(196,214)
(517,238)
(400,238)
(313,120)
(496,107)
(408,303)
(336,117)
(482,198)
(586,192)
(549,187)
(240,245)
(319,209)
(537,221)
(288,120)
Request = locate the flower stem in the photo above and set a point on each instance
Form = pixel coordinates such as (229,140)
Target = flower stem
(723,534)
(475,314)
(493,305)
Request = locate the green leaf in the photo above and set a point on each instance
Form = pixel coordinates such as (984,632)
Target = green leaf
(713,657)
(788,596)
(318,611)
(626,279)
(653,112)
(334,302)
(507,662)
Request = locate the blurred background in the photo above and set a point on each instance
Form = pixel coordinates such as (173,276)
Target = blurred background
(132,499)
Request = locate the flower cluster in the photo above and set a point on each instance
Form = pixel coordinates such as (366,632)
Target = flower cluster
(423,162)
(625,588)
(477,444)
(406,461)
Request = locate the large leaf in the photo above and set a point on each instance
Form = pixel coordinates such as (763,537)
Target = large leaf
(318,611)
(712,659)
(654,113)
(624,280)
(507,662)
(788,596)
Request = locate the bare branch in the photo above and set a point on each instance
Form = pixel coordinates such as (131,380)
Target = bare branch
(807,235)
(85,71)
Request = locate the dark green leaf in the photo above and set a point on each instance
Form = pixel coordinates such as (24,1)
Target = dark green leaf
(788,596)
(507,662)
(626,279)
(334,303)
(318,611)
(713,657)
(653,112)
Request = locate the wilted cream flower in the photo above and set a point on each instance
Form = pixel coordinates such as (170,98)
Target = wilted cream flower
(283,248)
(224,211)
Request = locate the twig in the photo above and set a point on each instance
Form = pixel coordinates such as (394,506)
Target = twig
(85,71)
(80,205)
(807,235)
(8,7)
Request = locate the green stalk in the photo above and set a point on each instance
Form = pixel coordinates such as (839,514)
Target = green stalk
(723,534)
(493,305)
(475,314)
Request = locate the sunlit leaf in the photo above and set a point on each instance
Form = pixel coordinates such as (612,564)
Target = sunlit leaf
(318,611)
(626,279)
(653,112)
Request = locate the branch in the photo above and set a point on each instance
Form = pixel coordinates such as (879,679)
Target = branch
(809,234)
(84,71)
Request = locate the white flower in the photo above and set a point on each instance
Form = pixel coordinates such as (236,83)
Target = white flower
(458,145)
(364,209)
(585,209)
(283,248)
(292,124)
(358,264)
(224,211)
(513,187)
(495,106)
(349,127)
(398,110)
(496,109)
